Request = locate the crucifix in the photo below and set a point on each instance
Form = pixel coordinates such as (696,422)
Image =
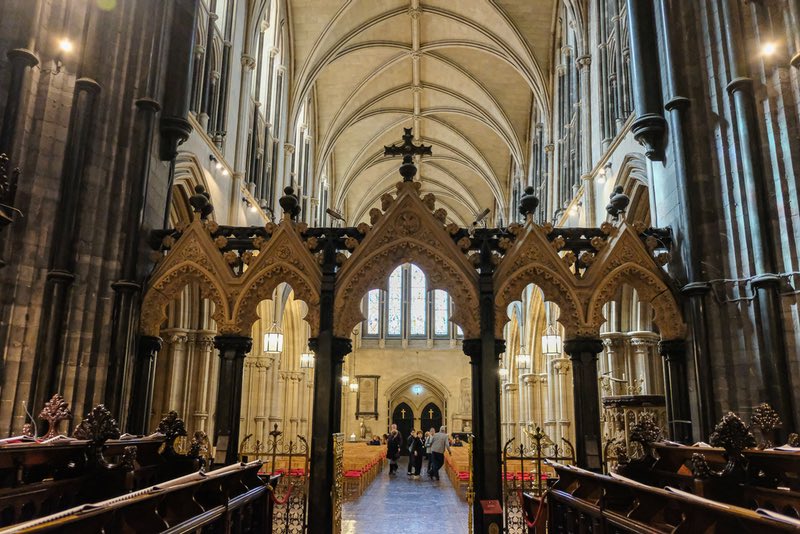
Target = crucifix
(408,149)
(430,413)
(403,413)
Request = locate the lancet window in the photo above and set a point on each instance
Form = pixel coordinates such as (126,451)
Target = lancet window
(407,309)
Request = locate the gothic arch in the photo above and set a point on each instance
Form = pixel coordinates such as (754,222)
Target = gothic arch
(534,260)
(407,232)
(627,260)
(187,263)
(283,258)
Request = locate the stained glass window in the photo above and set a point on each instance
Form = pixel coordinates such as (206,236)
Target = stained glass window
(418,302)
(394,304)
(374,312)
(441,313)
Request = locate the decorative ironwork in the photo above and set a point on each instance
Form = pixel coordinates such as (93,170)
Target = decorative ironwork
(55,411)
(408,150)
(337,492)
(524,471)
(470,483)
(291,460)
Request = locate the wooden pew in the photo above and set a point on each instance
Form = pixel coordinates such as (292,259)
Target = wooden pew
(582,501)
(231,498)
(362,463)
(456,465)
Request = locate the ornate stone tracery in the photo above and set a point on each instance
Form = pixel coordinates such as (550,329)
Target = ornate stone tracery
(408,230)
(197,256)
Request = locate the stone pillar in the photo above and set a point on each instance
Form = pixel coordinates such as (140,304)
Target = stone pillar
(586,399)
(677,390)
(204,344)
(47,369)
(144,378)
(647,370)
(20,60)
(613,366)
(232,351)
(511,393)
(649,126)
(771,355)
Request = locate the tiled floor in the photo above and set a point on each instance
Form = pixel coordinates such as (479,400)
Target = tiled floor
(401,504)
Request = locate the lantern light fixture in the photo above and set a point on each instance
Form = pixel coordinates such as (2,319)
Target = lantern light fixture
(551,341)
(354,387)
(523,360)
(273,340)
(307,360)
(345,380)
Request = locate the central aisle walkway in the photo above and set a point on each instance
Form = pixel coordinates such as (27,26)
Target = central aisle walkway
(404,505)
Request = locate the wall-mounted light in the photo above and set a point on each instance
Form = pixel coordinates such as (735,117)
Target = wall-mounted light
(354,387)
(768,49)
(523,360)
(416,389)
(575,208)
(218,165)
(345,380)
(604,173)
(65,45)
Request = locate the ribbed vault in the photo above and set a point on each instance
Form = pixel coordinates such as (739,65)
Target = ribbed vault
(466,76)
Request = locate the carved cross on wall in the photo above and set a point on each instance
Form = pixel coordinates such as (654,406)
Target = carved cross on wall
(403,413)
(430,413)
(408,149)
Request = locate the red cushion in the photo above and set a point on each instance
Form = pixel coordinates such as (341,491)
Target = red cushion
(352,474)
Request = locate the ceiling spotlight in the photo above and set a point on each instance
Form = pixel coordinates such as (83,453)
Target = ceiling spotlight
(767,49)
(65,45)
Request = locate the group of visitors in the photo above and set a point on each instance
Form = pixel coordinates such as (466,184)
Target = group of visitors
(431,446)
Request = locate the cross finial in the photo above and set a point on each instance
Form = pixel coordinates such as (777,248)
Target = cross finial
(408,149)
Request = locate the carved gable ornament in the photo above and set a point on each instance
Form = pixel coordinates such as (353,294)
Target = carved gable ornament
(196,257)
(409,229)
(622,258)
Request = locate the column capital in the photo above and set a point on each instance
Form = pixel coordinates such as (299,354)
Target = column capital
(672,349)
(582,345)
(473,348)
(341,347)
(238,345)
(149,345)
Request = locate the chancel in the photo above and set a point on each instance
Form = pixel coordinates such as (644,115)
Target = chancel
(345,266)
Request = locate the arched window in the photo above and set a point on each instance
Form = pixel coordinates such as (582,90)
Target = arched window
(407,310)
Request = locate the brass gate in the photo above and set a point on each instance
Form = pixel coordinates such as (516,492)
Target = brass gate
(291,460)
(337,491)
(525,471)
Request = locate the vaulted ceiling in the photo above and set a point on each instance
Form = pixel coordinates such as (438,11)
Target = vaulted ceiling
(464,74)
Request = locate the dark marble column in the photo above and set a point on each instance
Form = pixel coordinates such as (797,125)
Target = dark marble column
(676,390)
(649,126)
(20,60)
(695,294)
(232,351)
(586,400)
(486,447)
(771,354)
(127,290)
(144,377)
(46,370)
(327,402)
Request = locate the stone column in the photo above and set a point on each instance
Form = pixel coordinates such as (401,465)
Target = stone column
(649,127)
(613,366)
(144,378)
(677,390)
(511,394)
(204,343)
(647,369)
(560,395)
(232,351)
(47,369)
(586,399)
(20,59)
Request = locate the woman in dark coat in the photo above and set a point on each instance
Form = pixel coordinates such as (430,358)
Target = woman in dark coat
(393,445)
(417,453)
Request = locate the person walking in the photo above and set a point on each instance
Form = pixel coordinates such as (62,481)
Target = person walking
(409,444)
(428,440)
(417,452)
(393,444)
(439,443)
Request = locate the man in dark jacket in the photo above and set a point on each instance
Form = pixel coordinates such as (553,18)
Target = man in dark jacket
(393,445)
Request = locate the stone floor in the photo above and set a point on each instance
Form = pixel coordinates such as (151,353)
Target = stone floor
(404,505)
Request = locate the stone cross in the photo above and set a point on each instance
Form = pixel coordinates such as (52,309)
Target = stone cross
(430,413)
(403,413)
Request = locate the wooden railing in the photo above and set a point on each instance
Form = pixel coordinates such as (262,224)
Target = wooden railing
(582,501)
(231,499)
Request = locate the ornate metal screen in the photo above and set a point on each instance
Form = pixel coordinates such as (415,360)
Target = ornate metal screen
(525,471)
(337,493)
